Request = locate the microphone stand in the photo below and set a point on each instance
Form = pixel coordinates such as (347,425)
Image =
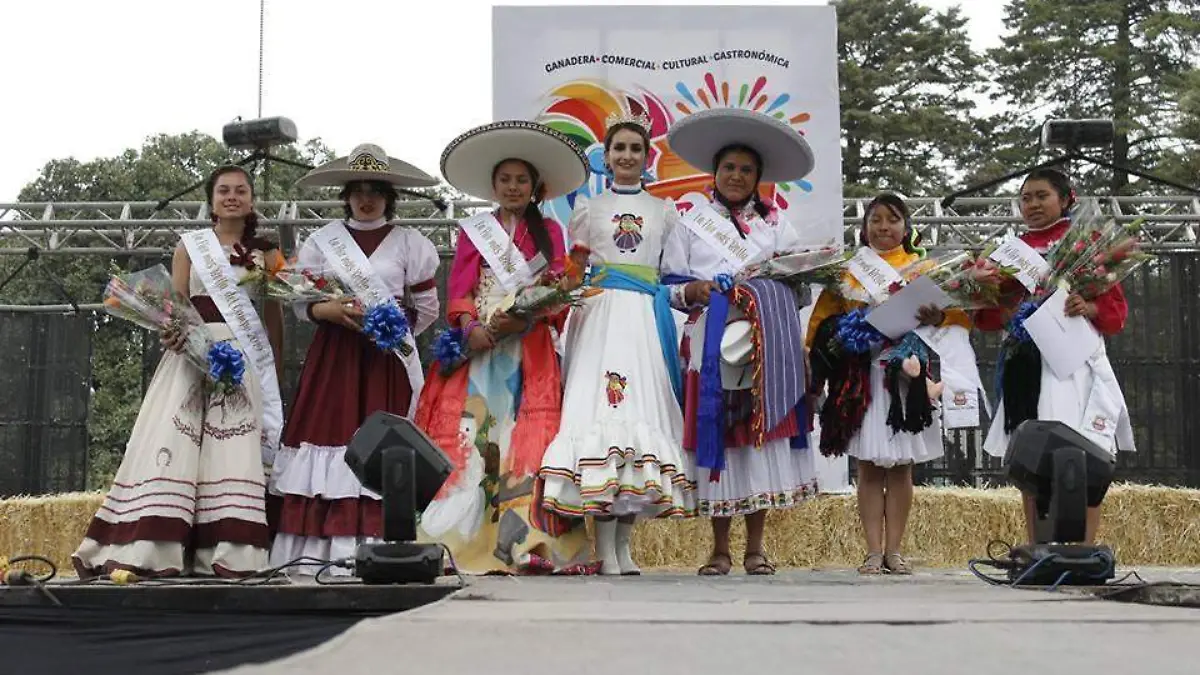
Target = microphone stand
(33,256)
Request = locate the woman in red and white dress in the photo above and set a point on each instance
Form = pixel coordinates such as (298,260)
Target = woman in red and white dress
(324,512)
(188,497)
(1090,400)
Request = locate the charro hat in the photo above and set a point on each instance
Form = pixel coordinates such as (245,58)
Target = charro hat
(737,352)
(468,161)
(367,162)
(698,138)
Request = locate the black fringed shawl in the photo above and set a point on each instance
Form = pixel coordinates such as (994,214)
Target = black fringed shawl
(849,379)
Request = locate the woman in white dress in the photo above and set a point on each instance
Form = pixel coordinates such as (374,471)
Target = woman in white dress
(744,413)
(618,452)
(189,496)
(875,411)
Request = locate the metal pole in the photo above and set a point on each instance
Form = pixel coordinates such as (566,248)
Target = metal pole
(262,23)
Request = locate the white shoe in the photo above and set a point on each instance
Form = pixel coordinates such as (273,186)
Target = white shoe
(624,537)
(606,547)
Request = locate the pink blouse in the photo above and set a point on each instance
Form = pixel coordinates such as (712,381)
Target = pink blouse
(468,264)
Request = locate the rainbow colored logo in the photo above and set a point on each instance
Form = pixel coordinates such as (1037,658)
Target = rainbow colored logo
(579,109)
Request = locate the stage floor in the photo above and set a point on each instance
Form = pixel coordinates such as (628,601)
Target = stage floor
(798,621)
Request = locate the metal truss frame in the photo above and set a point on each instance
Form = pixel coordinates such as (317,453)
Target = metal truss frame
(123,228)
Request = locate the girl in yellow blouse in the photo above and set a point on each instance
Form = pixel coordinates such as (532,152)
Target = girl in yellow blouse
(880,403)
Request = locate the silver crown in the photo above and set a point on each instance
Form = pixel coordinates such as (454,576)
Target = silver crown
(627,118)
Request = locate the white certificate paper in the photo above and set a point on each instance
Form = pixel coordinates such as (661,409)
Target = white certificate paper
(898,314)
(1066,342)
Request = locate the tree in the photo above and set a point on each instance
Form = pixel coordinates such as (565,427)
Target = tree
(123,356)
(1183,164)
(1116,59)
(906,74)
(163,166)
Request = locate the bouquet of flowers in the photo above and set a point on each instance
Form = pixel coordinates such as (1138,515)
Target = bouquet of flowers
(1093,257)
(148,299)
(960,276)
(387,326)
(289,284)
(823,266)
(451,350)
(551,293)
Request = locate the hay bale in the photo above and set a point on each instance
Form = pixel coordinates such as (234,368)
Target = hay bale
(1152,525)
(50,526)
(1145,525)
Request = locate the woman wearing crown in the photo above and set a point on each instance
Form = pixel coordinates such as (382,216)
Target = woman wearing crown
(618,453)
(495,414)
(744,389)
(323,511)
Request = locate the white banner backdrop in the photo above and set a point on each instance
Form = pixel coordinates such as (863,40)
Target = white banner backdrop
(571,67)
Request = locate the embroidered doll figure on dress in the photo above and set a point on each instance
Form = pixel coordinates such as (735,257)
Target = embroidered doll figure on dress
(322,510)
(881,404)
(744,388)
(616,388)
(511,384)
(618,455)
(189,496)
(1090,400)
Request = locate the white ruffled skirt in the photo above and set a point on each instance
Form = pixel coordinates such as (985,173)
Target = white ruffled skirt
(619,449)
(876,443)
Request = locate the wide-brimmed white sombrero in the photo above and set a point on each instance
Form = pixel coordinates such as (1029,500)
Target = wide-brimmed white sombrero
(737,350)
(468,162)
(698,138)
(367,162)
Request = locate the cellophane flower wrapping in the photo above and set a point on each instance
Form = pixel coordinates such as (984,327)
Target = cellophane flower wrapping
(552,293)
(148,299)
(822,266)
(1095,254)
(958,274)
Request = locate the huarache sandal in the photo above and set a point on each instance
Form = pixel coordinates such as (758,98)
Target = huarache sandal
(756,564)
(718,565)
(896,564)
(872,565)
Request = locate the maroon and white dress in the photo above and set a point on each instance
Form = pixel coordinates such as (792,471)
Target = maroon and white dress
(320,509)
(188,497)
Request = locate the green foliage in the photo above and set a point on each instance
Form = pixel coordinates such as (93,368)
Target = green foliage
(163,166)
(1118,59)
(906,73)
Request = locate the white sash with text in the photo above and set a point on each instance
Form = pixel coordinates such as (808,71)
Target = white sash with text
(354,269)
(216,273)
(873,273)
(1028,267)
(494,244)
(721,235)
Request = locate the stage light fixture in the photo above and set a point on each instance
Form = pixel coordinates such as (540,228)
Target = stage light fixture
(1071,135)
(259,134)
(1058,465)
(395,459)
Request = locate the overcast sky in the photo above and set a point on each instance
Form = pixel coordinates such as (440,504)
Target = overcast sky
(88,79)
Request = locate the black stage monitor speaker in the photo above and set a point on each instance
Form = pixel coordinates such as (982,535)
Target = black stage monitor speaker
(394,458)
(1060,467)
